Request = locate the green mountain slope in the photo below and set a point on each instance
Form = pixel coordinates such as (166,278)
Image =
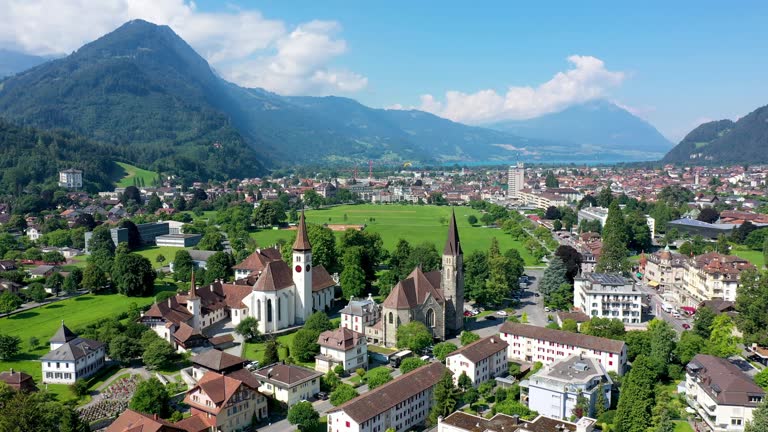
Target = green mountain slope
(725,141)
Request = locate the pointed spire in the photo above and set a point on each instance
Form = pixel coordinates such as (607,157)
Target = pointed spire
(452,244)
(63,335)
(192,289)
(302,240)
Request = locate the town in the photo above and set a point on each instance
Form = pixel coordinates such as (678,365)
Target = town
(520,298)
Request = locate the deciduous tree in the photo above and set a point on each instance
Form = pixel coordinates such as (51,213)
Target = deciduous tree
(303,415)
(414,336)
(343,393)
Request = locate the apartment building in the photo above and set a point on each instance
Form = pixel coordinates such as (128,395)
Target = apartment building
(529,343)
(482,360)
(460,421)
(288,383)
(723,395)
(515,180)
(344,347)
(553,391)
(401,404)
(608,296)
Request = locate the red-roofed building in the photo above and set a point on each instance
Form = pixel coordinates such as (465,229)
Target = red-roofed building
(224,403)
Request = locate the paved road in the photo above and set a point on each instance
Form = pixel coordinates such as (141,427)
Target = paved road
(655,302)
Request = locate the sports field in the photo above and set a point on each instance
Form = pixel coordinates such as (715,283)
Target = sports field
(132,172)
(411,222)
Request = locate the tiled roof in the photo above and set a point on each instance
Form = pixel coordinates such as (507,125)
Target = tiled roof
(170,310)
(462,421)
(133,421)
(234,294)
(384,397)
(217,360)
(452,244)
(63,335)
(563,337)
(75,349)
(302,239)
(185,332)
(286,374)
(414,290)
(218,388)
(276,276)
(340,339)
(723,381)
(257,260)
(481,349)
(321,279)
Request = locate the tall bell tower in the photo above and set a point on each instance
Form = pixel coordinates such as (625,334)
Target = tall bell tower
(452,280)
(302,272)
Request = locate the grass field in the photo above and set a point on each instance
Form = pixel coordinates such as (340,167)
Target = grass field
(255,351)
(755,257)
(411,222)
(151,253)
(682,426)
(132,172)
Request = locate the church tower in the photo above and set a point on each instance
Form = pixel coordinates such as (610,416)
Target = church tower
(302,272)
(193,304)
(453,280)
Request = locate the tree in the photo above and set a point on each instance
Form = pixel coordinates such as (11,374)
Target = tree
(662,342)
(554,276)
(689,345)
(324,251)
(84,220)
(570,325)
(36,292)
(219,266)
(708,215)
(614,254)
(702,321)
(475,274)
(722,342)
(131,195)
(133,275)
(55,282)
(150,397)
(318,322)
(446,396)
(37,412)
(587,201)
(552,212)
(765,251)
(93,278)
(464,382)
(154,203)
(371,248)
(270,352)
(377,377)
(633,413)
(759,421)
(557,225)
(183,265)
(352,278)
(134,238)
(470,396)
(158,354)
(343,393)
(751,298)
(123,348)
(304,415)
(71,282)
(467,337)
(472,219)
(313,199)
(443,349)
(601,403)
(761,378)
(79,388)
(248,328)
(9,346)
(212,240)
(722,246)
(638,342)
(9,302)
(604,327)
(415,336)
(551,181)
(305,345)
(411,363)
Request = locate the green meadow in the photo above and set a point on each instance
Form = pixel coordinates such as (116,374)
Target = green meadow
(131,172)
(414,223)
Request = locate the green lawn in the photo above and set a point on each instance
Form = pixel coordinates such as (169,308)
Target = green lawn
(755,257)
(131,172)
(682,426)
(255,351)
(151,253)
(411,222)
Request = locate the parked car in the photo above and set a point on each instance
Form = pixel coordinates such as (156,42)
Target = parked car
(490,317)
(686,326)
(252,366)
(322,396)
(546,309)
(502,313)
(467,313)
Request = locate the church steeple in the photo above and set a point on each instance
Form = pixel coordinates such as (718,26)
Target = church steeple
(302,271)
(302,240)
(192,290)
(452,244)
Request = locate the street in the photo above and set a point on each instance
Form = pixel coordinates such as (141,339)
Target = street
(655,302)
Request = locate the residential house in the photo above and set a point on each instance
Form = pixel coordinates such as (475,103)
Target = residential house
(224,404)
(344,347)
(134,421)
(288,383)
(482,360)
(608,296)
(34,232)
(213,360)
(721,393)
(71,357)
(18,381)
(529,343)
(460,421)
(401,404)
(361,316)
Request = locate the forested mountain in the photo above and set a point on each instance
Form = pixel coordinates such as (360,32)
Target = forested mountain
(725,141)
(595,127)
(32,158)
(12,62)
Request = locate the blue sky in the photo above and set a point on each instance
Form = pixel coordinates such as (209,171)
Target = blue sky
(673,63)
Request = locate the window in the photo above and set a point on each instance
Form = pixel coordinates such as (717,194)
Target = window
(269,310)
(390,317)
(430,318)
(279,309)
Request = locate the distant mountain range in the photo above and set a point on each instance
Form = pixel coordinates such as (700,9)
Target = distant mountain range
(595,127)
(146,92)
(12,62)
(725,141)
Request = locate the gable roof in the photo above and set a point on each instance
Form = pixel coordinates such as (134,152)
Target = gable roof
(563,337)
(414,290)
(302,239)
(170,310)
(276,276)
(321,279)
(452,244)
(133,421)
(340,339)
(724,381)
(218,388)
(481,349)
(256,261)
(384,397)
(75,349)
(217,360)
(286,374)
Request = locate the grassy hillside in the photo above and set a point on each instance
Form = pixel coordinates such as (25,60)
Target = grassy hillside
(413,223)
(129,172)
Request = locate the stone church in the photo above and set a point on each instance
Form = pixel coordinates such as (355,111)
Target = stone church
(435,298)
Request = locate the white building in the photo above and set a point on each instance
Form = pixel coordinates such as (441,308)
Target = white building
(344,347)
(34,233)
(515,180)
(71,179)
(401,404)
(482,360)
(360,315)
(608,296)
(554,391)
(723,395)
(288,383)
(539,344)
(71,358)
(460,421)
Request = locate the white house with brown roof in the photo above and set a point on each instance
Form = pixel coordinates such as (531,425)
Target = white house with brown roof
(360,314)
(402,404)
(224,404)
(133,421)
(529,343)
(341,346)
(288,383)
(71,357)
(482,360)
(723,395)
(256,262)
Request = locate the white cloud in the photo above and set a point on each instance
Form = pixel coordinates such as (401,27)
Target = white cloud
(587,79)
(242,45)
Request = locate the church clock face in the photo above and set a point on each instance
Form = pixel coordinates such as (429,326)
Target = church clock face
(298,268)
(307,268)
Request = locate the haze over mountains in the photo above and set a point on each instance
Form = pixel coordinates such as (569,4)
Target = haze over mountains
(12,62)
(144,89)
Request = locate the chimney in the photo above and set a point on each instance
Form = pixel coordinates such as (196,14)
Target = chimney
(11,371)
(515,419)
(154,416)
(169,301)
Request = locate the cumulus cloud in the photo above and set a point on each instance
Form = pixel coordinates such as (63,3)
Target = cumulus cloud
(242,45)
(587,79)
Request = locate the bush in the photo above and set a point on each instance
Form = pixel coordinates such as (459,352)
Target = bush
(360,372)
(339,370)
(79,388)
(608,417)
